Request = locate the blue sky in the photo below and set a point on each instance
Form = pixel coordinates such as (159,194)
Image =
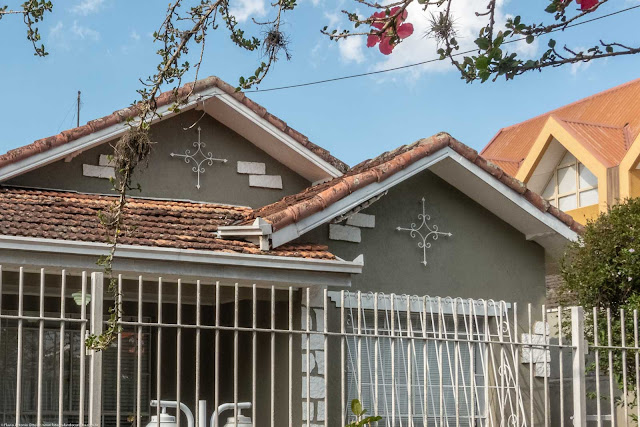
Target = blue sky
(102,47)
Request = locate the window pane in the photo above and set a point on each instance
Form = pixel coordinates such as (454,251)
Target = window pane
(567,180)
(589,197)
(550,189)
(587,179)
(567,203)
(567,159)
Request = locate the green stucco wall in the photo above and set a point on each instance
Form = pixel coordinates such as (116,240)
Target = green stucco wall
(171,178)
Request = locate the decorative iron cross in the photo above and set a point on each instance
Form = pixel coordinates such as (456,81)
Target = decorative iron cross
(430,231)
(199,165)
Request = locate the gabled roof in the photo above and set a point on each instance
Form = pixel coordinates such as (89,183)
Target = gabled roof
(593,120)
(165,99)
(63,215)
(608,144)
(293,209)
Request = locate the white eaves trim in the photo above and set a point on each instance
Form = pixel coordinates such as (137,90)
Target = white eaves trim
(91,140)
(277,133)
(353,200)
(295,230)
(173,255)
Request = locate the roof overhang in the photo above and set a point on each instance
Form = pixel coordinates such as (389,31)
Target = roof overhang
(132,261)
(221,106)
(504,202)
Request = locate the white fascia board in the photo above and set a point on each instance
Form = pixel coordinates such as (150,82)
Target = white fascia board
(92,140)
(281,136)
(181,255)
(547,219)
(354,199)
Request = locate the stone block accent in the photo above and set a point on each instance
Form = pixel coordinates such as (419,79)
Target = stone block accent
(92,171)
(541,328)
(346,233)
(266,181)
(312,362)
(316,387)
(540,357)
(316,371)
(252,168)
(362,220)
(539,370)
(106,160)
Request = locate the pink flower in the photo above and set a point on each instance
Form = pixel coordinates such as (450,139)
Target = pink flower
(394,32)
(585,4)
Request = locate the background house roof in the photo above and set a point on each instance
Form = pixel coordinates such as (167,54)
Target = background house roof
(601,121)
(294,208)
(158,223)
(163,99)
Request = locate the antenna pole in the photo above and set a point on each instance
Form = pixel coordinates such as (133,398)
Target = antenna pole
(78,115)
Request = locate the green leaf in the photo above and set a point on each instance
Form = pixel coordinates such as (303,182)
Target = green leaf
(483,43)
(482,62)
(356,407)
(530,39)
(552,43)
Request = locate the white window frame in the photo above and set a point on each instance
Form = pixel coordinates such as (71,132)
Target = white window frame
(555,199)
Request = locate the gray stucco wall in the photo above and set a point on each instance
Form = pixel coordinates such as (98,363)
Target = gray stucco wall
(485,257)
(168,177)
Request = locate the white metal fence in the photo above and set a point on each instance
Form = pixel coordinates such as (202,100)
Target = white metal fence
(286,356)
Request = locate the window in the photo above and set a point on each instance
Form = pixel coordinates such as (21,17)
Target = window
(571,185)
(440,403)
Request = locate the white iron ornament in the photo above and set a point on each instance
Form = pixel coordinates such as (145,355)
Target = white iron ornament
(428,232)
(199,165)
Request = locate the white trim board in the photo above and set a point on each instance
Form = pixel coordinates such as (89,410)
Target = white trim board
(542,222)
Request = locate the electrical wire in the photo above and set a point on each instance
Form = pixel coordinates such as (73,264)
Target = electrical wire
(402,67)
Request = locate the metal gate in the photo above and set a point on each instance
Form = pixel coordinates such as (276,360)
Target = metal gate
(287,356)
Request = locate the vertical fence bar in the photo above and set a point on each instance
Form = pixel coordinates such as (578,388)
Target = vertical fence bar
(561,365)
(291,357)
(393,360)
(95,367)
(159,352)
(545,338)
(40,349)
(516,361)
(456,362)
(611,375)
(487,335)
(199,422)
(254,351)
(63,292)
(625,390)
(179,353)
(425,365)
(139,358)
(118,359)
(308,324)
(83,348)
(273,356)
(501,369)
(343,397)
(472,365)
(531,407)
(359,346)
(216,386)
(637,360)
(597,369)
(376,353)
(236,315)
(409,366)
(325,306)
(579,351)
(19,355)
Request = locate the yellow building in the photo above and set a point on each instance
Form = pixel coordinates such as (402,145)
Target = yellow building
(582,157)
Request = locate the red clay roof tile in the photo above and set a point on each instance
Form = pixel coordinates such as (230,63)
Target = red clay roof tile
(165,98)
(296,207)
(161,223)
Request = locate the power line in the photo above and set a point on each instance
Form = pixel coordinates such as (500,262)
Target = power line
(402,67)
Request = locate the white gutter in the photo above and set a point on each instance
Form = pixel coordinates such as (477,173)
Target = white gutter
(182,255)
(257,233)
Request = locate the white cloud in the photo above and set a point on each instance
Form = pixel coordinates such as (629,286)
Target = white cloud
(82,32)
(333,19)
(87,7)
(135,36)
(56,31)
(352,49)
(419,47)
(244,9)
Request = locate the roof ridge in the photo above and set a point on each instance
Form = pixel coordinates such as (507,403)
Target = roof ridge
(165,98)
(555,110)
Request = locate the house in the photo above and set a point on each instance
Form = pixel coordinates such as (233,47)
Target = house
(259,271)
(582,157)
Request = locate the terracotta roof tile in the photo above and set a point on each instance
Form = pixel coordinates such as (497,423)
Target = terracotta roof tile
(294,208)
(161,223)
(608,144)
(165,98)
(617,107)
